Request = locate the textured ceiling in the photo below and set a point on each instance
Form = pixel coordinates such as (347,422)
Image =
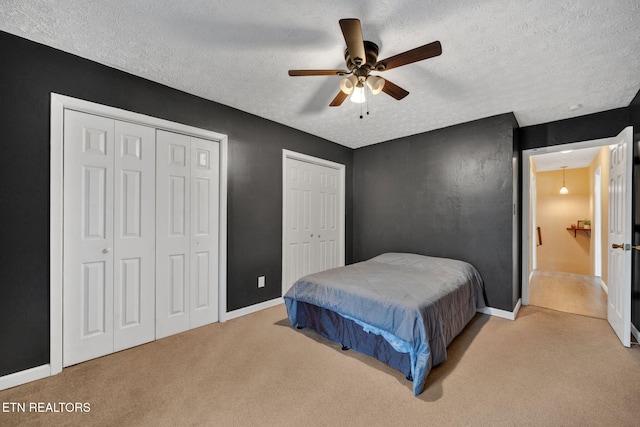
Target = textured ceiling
(536,58)
(580,158)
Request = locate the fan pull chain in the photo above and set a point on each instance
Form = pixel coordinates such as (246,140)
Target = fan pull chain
(367,99)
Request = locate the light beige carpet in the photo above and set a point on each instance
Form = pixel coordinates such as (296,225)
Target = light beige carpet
(545,368)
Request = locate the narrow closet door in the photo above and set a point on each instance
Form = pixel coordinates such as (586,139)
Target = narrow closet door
(134,235)
(205,199)
(173,163)
(88,237)
(328,216)
(187,199)
(300,220)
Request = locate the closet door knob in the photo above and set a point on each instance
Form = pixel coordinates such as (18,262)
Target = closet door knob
(106,250)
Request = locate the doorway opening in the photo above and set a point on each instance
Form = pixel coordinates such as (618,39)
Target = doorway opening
(572,282)
(597,222)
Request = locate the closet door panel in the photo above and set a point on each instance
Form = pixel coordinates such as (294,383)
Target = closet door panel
(134,235)
(301,236)
(328,211)
(88,236)
(173,213)
(204,232)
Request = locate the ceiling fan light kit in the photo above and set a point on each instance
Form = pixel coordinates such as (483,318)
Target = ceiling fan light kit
(355,87)
(361,58)
(348,84)
(376,84)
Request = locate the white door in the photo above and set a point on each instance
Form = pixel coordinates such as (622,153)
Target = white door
(173,166)
(134,235)
(597,223)
(88,237)
(619,286)
(108,291)
(312,239)
(328,211)
(205,190)
(300,209)
(187,232)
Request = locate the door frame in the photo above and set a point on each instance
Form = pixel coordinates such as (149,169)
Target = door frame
(287,154)
(526,200)
(597,224)
(533,229)
(59,103)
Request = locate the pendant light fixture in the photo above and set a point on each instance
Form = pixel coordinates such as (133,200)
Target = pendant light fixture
(563,190)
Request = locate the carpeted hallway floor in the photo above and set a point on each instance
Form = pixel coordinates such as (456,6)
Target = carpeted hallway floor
(545,368)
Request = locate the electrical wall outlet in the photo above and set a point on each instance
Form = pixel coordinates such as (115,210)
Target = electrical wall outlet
(261,282)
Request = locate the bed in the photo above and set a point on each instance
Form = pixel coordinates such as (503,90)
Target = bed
(403,309)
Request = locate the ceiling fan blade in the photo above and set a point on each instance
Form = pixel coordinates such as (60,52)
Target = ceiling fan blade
(414,55)
(352,32)
(318,72)
(393,90)
(339,99)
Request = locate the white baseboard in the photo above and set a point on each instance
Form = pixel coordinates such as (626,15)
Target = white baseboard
(604,286)
(510,315)
(23,377)
(635,333)
(253,308)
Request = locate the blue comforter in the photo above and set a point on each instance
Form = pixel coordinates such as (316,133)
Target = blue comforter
(417,303)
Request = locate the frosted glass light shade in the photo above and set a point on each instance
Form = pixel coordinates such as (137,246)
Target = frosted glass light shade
(375,84)
(564,190)
(358,94)
(348,84)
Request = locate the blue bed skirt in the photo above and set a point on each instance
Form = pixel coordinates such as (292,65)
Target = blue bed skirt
(350,334)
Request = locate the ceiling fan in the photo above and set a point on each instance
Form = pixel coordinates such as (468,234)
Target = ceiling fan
(361,58)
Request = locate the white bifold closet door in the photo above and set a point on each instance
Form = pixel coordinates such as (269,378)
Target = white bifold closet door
(109,235)
(141,218)
(313,205)
(187,232)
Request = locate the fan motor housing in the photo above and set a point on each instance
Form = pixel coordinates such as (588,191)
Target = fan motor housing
(371,52)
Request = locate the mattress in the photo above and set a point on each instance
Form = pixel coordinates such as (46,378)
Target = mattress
(416,303)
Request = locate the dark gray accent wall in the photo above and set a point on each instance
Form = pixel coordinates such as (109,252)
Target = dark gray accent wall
(604,124)
(28,75)
(446,193)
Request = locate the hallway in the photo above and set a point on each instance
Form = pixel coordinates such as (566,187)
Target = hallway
(568,292)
